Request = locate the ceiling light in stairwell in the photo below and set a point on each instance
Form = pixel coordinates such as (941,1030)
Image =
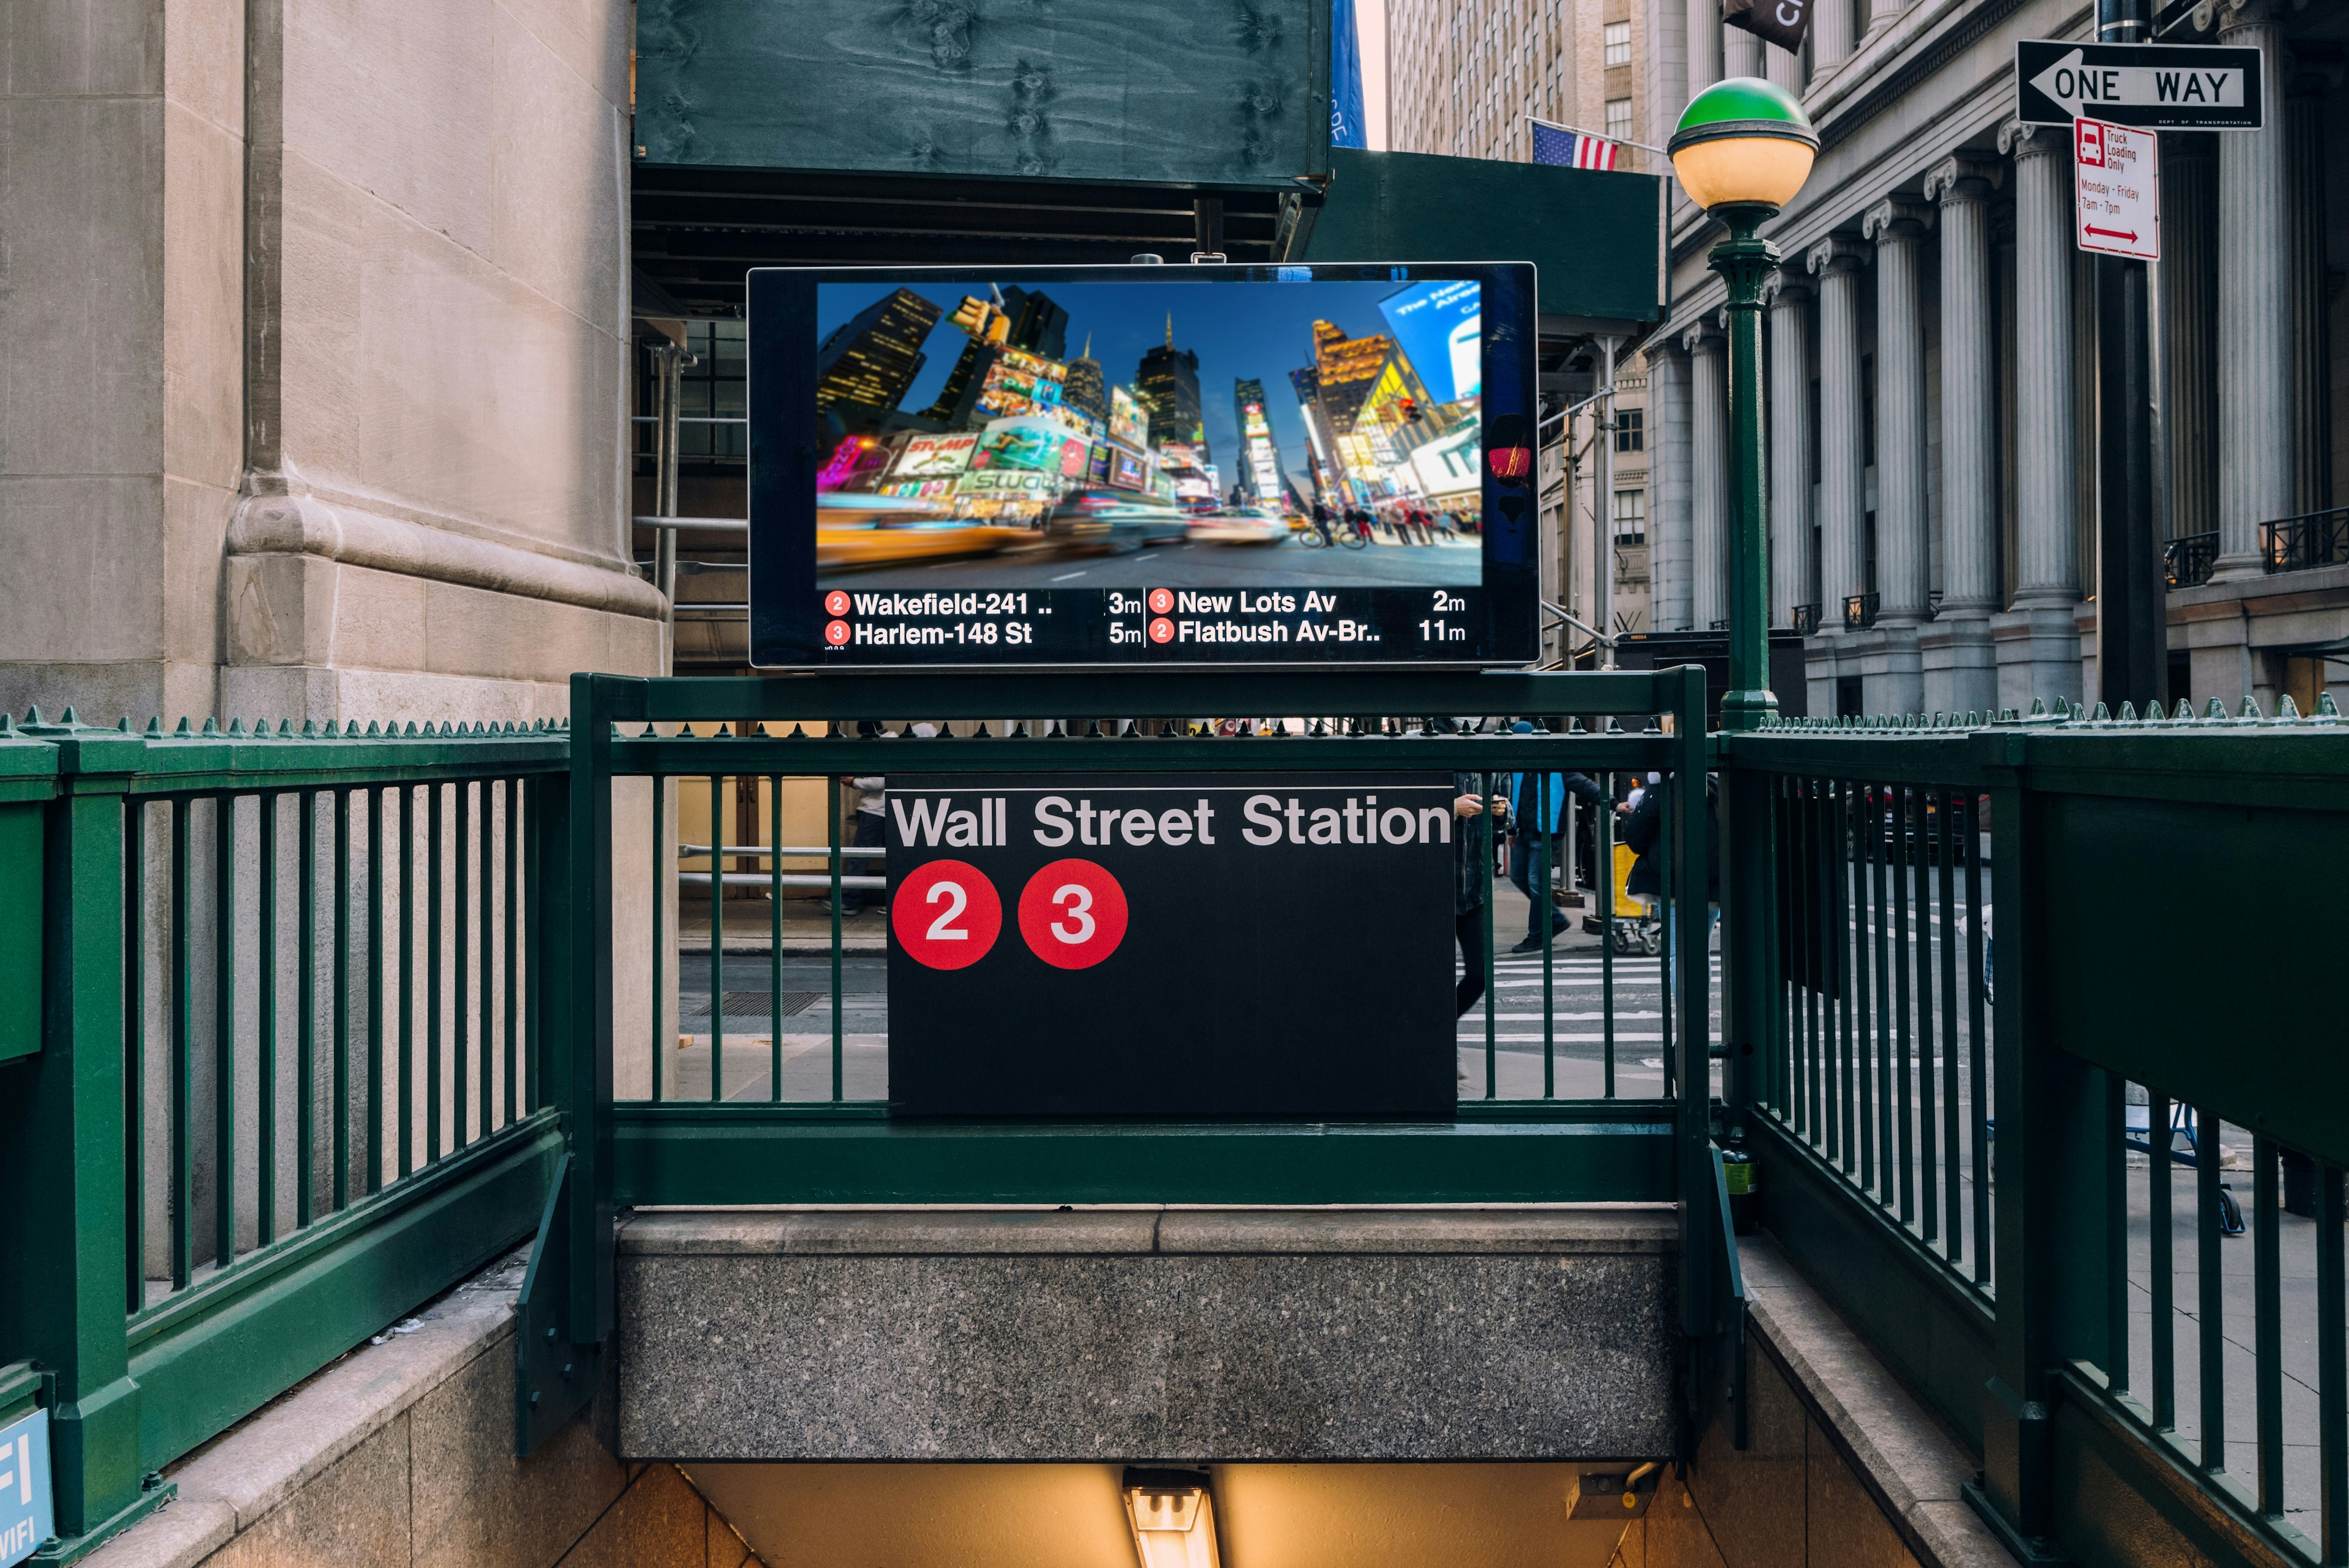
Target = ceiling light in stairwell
(1173,1518)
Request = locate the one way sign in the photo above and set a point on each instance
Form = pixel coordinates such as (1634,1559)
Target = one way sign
(2150,86)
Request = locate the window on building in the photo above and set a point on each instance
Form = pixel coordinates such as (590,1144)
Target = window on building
(1618,120)
(1631,517)
(1617,37)
(711,390)
(1630,429)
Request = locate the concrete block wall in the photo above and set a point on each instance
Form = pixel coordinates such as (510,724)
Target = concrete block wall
(400,1455)
(315,395)
(1119,1334)
(1842,1467)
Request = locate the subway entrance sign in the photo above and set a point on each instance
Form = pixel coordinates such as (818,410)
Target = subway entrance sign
(1217,944)
(2146,87)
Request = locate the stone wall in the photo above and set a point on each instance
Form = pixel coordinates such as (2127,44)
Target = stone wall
(1150,1333)
(317,327)
(1842,1467)
(400,1455)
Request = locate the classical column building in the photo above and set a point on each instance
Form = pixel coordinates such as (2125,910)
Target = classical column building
(2255,424)
(1954,651)
(1903,552)
(1709,488)
(1836,262)
(2038,643)
(1792,571)
(1669,524)
(1945,340)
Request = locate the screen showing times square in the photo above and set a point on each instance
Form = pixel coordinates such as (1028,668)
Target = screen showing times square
(1142,465)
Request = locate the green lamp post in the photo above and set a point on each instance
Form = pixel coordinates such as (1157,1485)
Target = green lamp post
(1742,150)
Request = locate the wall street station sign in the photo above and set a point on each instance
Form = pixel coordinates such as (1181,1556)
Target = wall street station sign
(2145,87)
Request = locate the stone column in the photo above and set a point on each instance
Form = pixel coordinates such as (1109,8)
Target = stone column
(2189,311)
(1783,69)
(1879,12)
(1831,35)
(1703,46)
(2255,425)
(1960,675)
(2315,72)
(1669,530)
(1788,300)
(2038,645)
(1843,492)
(1741,53)
(1903,550)
(1709,485)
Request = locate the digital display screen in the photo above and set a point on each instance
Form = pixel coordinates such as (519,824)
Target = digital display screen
(1088,466)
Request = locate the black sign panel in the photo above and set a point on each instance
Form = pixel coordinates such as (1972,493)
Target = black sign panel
(1207,945)
(2162,87)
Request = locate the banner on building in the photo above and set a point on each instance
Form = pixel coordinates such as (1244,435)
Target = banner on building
(1780,22)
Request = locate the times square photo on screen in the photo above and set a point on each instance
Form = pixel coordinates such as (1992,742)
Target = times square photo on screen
(990,434)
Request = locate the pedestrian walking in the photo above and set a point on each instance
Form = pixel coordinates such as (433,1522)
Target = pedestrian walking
(868,829)
(1470,845)
(1538,814)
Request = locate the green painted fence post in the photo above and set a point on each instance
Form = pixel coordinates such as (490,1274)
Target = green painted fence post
(2049,1193)
(581,1059)
(61,1121)
(1691,1000)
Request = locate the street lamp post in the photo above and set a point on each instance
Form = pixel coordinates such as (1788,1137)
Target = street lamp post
(1742,150)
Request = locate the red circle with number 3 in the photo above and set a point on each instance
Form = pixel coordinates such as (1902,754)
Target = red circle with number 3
(947,915)
(1072,914)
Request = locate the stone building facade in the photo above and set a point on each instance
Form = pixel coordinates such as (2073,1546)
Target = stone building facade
(1932,346)
(319,329)
(1461,81)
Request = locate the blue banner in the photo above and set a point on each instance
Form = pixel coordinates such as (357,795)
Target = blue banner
(1347,128)
(25,1520)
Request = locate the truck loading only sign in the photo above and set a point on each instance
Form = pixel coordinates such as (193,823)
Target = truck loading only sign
(1216,945)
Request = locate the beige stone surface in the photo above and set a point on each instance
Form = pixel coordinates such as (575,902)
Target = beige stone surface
(429,325)
(475,1502)
(356,1515)
(660,1521)
(203,292)
(1845,1527)
(400,1455)
(1841,1470)
(78,570)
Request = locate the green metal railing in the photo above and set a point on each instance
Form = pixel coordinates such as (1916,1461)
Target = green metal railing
(2067,1307)
(326,1021)
(290,1075)
(739,1138)
(753,1136)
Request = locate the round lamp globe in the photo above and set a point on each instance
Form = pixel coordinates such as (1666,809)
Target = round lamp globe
(1744,142)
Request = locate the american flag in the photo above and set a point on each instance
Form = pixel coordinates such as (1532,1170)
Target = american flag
(1572,148)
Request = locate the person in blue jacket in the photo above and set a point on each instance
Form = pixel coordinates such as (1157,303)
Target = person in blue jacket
(1538,810)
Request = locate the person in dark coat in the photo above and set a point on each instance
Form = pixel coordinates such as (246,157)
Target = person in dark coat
(1642,833)
(1471,847)
(1537,816)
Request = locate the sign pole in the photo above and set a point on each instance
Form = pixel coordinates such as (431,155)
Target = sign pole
(2116,94)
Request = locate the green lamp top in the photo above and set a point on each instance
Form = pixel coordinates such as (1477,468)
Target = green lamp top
(1742,106)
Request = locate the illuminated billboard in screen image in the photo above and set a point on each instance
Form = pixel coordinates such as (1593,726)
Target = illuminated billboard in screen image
(1052,439)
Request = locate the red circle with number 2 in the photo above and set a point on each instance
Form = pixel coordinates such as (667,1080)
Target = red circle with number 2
(947,915)
(1072,914)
